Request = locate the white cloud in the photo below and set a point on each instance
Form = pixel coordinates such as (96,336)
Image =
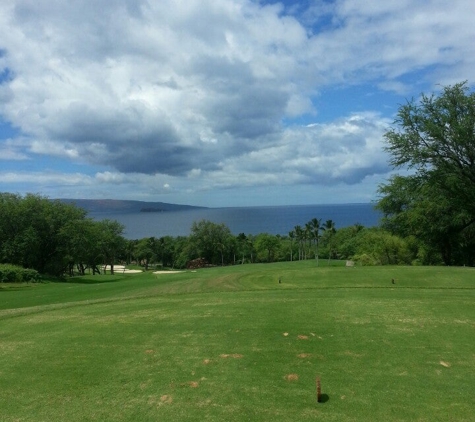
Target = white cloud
(45,178)
(194,95)
(10,151)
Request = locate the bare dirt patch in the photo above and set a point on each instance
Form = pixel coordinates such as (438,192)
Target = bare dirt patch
(291,377)
(234,356)
(144,385)
(304,355)
(149,351)
(285,334)
(160,401)
(206,361)
(302,337)
(166,399)
(352,354)
(193,384)
(445,364)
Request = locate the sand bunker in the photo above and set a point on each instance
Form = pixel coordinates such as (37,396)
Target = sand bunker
(168,272)
(120,269)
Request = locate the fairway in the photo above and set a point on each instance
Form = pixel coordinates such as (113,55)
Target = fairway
(234,344)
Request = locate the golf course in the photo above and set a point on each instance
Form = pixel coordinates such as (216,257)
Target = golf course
(242,343)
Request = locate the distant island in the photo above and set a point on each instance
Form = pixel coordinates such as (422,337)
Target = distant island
(152,209)
(125,206)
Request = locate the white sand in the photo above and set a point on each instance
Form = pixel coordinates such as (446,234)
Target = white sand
(168,272)
(120,269)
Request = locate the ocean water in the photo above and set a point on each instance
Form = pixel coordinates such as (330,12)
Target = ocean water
(249,220)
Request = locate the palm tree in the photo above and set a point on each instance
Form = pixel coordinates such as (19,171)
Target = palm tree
(291,237)
(329,228)
(308,238)
(299,234)
(242,240)
(316,228)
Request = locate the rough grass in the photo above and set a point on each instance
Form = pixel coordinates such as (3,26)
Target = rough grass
(232,344)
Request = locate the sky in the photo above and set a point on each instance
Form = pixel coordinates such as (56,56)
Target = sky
(217,102)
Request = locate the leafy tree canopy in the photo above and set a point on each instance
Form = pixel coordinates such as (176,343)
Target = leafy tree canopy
(435,138)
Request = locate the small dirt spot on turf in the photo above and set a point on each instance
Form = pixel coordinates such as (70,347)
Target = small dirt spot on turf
(234,356)
(352,354)
(166,399)
(446,364)
(302,337)
(206,361)
(150,351)
(291,377)
(193,384)
(144,385)
(304,355)
(285,334)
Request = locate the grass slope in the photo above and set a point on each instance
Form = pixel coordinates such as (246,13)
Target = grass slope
(232,344)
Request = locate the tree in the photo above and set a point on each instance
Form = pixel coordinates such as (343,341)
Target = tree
(111,242)
(146,251)
(167,251)
(435,138)
(184,250)
(211,240)
(267,245)
(292,238)
(300,236)
(79,246)
(329,234)
(130,250)
(346,241)
(315,229)
(412,208)
(243,246)
(30,231)
(378,247)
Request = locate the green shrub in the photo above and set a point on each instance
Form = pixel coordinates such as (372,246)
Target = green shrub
(15,274)
(366,259)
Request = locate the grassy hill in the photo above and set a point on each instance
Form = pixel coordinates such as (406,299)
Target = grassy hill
(232,344)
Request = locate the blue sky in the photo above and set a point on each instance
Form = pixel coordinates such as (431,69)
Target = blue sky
(217,103)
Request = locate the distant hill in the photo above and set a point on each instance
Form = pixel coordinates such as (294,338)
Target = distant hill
(125,206)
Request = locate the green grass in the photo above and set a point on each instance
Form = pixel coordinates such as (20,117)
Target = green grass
(219,344)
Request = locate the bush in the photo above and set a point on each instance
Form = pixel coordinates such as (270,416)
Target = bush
(366,259)
(15,274)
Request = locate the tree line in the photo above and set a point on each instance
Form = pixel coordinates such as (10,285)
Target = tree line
(59,239)
(55,238)
(429,212)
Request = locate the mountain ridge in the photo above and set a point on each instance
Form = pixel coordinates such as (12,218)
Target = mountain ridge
(125,206)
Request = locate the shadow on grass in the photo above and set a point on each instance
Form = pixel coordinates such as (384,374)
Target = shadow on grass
(324,398)
(13,288)
(97,279)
